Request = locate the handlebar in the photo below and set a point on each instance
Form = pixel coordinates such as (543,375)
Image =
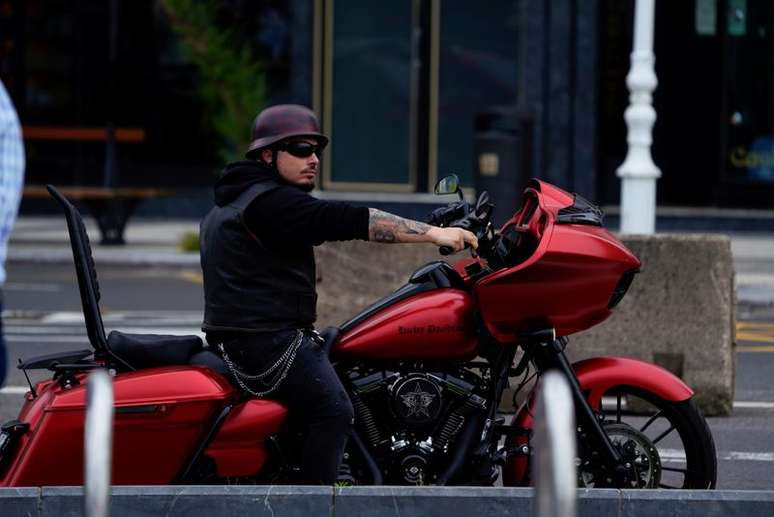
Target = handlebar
(460,214)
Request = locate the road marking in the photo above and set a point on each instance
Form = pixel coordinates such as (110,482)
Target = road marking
(755,338)
(183,317)
(192,276)
(754,324)
(47,339)
(759,349)
(754,280)
(753,404)
(678,456)
(39,288)
(14,390)
(747,456)
(755,332)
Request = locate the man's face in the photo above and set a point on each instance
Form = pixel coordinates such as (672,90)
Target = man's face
(296,170)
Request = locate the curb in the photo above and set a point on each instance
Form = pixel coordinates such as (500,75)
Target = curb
(382,501)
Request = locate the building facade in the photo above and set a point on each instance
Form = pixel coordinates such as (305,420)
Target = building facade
(113,92)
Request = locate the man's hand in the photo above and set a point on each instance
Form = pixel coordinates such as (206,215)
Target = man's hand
(454,238)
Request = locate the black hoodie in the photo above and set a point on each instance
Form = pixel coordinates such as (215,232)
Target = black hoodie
(289,216)
(256,250)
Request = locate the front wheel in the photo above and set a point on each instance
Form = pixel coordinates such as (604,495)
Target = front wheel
(664,444)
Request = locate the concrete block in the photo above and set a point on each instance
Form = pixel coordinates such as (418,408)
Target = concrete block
(599,501)
(679,313)
(195,501)
(352,275)
(697,503)
(449,501)
(394,501)
(384,501)
(61,502)
(19,502)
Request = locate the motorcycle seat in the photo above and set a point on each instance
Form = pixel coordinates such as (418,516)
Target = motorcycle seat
(212,361)
(151,350)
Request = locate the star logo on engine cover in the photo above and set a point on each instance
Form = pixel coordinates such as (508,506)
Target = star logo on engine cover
(418,401)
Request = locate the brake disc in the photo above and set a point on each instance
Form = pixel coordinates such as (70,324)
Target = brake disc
(638,454)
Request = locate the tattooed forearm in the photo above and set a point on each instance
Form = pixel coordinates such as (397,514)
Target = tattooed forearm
(386,227)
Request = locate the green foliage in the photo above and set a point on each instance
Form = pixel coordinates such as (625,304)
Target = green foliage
(232,83)
(189,241)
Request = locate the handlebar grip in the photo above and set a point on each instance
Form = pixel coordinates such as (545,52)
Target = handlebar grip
(446,250)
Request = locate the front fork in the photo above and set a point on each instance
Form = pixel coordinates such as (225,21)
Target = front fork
(548,355)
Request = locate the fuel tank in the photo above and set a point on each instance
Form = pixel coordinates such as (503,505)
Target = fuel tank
(429,323)
(161,415)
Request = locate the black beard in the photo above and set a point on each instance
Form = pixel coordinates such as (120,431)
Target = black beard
(307,188)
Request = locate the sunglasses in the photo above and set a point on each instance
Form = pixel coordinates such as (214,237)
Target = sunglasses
(301,149)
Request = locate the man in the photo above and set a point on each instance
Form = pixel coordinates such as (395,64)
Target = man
(259,276)
(11,181)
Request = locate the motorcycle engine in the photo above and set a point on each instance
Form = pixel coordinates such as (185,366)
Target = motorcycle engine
(410,419)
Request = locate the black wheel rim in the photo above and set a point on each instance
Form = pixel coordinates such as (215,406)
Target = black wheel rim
(683,456)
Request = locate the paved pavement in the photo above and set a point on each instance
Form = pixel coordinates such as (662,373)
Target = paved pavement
(149,241)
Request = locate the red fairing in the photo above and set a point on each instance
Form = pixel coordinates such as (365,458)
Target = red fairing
(239,449)
(436,324)
(566,283)
(597,376)
(161,415)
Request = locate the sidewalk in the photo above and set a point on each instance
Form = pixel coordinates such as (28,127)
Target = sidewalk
(156,242)
(149,242)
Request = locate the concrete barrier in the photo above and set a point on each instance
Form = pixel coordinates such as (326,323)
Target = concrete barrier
(290,501)
(193,501)
(679,312)
(352,275)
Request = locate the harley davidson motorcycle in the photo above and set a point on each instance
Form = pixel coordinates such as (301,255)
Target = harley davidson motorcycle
(425,367)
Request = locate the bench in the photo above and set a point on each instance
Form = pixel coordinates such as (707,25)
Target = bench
(111,207)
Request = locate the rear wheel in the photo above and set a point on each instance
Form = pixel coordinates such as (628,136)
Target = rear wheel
(664,444)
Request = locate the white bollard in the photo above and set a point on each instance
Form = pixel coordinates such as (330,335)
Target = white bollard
(553,465)
(638,173)
(98,444)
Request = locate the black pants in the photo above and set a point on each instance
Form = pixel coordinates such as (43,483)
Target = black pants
(313,393)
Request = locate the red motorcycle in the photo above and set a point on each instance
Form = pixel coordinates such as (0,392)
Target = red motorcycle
(425,368)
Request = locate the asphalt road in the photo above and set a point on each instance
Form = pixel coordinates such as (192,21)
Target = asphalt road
(43,315)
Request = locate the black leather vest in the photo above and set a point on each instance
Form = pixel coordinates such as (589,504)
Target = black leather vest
(247,285)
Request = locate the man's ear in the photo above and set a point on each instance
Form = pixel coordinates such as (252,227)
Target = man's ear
(266,156)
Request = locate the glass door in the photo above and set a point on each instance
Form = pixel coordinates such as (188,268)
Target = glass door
(369,95)
(749,101)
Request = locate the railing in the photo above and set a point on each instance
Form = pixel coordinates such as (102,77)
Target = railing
(98,444)
(554,469)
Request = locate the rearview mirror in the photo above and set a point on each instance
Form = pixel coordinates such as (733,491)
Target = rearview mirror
(448,185)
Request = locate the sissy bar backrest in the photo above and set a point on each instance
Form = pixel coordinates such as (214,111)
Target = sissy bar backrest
(86,272)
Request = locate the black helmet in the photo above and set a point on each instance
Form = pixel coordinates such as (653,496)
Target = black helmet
(283,121)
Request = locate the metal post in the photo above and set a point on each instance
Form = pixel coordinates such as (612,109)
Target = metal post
(98,444)
(638,173)
(554,469)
